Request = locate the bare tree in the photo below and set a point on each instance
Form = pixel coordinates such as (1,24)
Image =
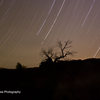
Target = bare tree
(48,54)
(64,51)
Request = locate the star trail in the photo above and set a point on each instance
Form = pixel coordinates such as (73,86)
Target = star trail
(54,20)
(88,12)
(46,17)
(26,24)
(97,52)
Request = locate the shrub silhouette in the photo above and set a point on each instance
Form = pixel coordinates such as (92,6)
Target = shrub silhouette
(19,66)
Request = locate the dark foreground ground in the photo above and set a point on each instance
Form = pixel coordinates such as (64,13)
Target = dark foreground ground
(65,80)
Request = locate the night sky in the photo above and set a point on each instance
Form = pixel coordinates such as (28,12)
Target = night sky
(27,26)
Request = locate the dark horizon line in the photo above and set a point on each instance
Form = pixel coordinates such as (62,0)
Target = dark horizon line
(27,67)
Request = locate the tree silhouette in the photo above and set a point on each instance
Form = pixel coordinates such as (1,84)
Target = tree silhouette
(19,66)
(64,51)
(48,54)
